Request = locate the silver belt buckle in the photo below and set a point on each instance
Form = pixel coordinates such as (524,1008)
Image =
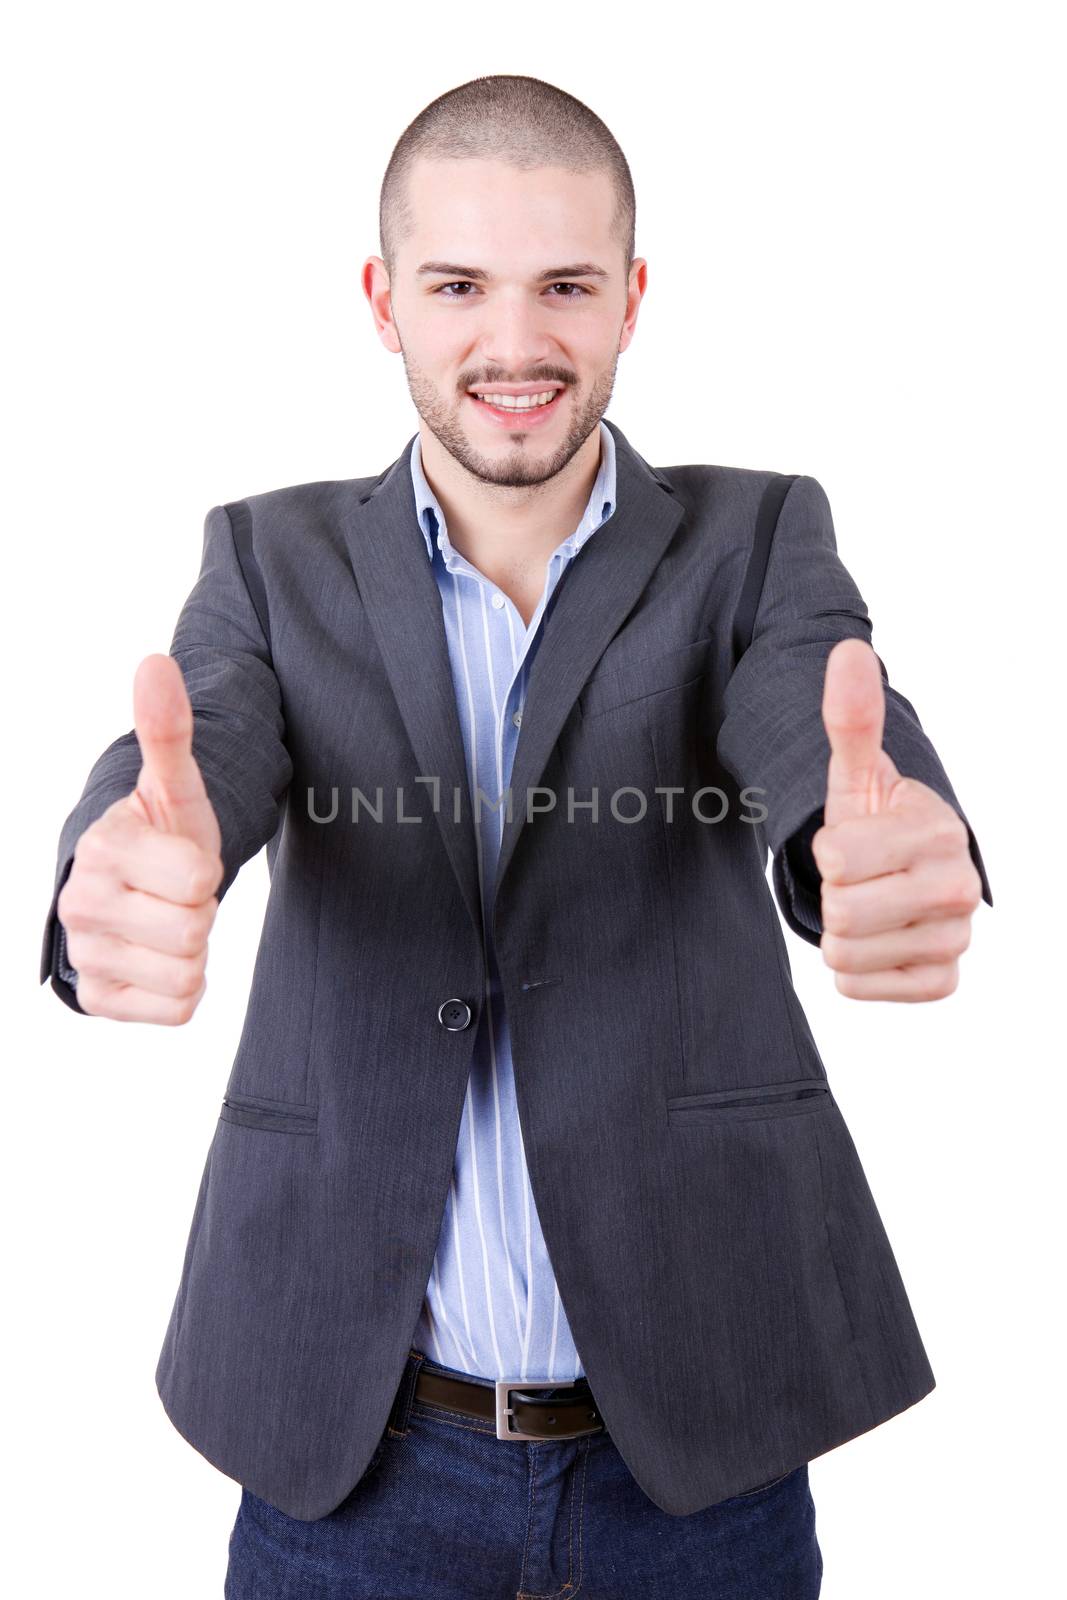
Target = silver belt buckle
(504,1411)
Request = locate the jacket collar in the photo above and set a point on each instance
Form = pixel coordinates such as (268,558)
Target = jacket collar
(596,592)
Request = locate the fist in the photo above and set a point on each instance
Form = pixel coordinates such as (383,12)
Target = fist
(141,896)
(899,887)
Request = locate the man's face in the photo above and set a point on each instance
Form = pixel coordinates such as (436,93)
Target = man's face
(489,289)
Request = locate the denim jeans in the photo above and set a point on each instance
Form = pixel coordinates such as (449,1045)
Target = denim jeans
(447,1511)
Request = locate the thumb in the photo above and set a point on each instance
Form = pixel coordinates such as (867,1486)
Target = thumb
(170,788)
(860,774)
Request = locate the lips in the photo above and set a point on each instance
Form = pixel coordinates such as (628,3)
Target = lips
(517,421)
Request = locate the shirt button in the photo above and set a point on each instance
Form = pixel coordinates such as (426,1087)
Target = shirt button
(498,601)
(517,719)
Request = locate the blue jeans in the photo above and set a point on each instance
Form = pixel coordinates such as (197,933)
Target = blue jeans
(447,1511)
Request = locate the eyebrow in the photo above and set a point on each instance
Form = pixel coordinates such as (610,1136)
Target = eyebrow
(580,269)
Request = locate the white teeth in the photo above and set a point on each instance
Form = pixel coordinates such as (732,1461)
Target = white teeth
(517,402)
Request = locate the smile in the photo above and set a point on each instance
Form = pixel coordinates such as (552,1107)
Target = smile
(518,413)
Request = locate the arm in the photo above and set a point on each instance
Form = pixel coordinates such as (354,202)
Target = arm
(772,735)
(238,734)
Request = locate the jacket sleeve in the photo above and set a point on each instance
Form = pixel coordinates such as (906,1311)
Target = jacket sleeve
(772,736)
(238,734)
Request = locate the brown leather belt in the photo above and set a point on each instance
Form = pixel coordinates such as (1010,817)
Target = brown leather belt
(520,1410)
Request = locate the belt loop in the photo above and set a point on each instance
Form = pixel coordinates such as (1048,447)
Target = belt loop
(398,1416)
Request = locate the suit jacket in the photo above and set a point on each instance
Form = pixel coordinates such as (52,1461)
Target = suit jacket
(733,1295)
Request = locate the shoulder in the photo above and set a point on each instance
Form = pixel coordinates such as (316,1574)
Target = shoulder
(323,496)
(294,520)
(296,525)
(736,493)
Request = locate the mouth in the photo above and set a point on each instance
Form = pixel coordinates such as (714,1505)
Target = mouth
(518,419)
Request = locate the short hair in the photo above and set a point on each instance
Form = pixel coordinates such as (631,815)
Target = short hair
(521,121)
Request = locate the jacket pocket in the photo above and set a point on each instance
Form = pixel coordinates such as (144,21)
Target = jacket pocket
(627,680)
(794,1097)
(273,1116)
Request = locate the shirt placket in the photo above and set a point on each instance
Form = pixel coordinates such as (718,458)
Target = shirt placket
(505,617)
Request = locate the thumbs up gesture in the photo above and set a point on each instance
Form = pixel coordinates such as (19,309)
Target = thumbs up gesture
(899,887)
(140,899)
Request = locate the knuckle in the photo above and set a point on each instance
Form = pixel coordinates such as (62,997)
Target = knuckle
(189,937)
(968,889)
(941,982)
(960,938)
(955,893)
(183,1008)
(835,952)
(93,849)
(819,838)
(829,861)
(201,880)
(74,908)
(834,914)
(942,941)
(908,788)
(949,833)
(173,1014)
(91,996)
(190,977)
(192,933)
(67,905)
(85,958)
(847,985)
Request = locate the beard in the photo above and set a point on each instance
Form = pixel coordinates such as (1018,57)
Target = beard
(519,465)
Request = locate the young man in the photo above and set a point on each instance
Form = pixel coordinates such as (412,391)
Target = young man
(531,1250)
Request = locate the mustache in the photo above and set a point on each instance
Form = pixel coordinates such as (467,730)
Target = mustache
(538,377)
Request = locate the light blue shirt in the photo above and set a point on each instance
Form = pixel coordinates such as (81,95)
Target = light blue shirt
(492,1307)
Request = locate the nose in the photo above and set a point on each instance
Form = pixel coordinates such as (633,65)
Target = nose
(518,339)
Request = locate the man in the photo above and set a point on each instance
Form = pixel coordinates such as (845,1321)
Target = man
(531,1250)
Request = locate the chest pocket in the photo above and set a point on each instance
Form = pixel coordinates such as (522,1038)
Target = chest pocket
(629,680)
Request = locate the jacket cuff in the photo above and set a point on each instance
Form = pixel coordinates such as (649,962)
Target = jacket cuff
(798,881)
(55,964)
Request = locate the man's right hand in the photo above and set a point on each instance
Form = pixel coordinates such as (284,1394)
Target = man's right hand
(140,899)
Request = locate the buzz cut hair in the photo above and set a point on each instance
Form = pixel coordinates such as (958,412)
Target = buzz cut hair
(523,122)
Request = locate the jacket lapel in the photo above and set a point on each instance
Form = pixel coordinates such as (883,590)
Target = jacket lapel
(598,590)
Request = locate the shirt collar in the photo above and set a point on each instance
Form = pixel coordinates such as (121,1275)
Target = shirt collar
(599,507)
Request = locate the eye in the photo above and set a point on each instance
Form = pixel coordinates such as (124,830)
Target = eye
(464,283)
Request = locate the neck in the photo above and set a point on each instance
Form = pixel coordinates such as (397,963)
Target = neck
(509,533)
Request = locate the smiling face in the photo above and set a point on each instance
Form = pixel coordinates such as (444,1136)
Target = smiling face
(510,282)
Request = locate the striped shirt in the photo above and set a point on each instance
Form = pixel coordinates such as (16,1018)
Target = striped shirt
(492,1306)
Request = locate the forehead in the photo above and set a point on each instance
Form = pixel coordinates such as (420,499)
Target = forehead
(459,205)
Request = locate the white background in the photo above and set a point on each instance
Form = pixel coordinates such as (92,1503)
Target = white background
(849,216)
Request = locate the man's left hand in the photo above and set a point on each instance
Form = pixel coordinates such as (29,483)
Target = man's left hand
(899,887)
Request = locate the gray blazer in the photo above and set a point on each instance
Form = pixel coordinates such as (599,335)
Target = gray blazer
(723,1267)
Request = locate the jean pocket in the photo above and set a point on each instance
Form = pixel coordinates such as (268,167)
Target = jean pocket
(761,1488)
